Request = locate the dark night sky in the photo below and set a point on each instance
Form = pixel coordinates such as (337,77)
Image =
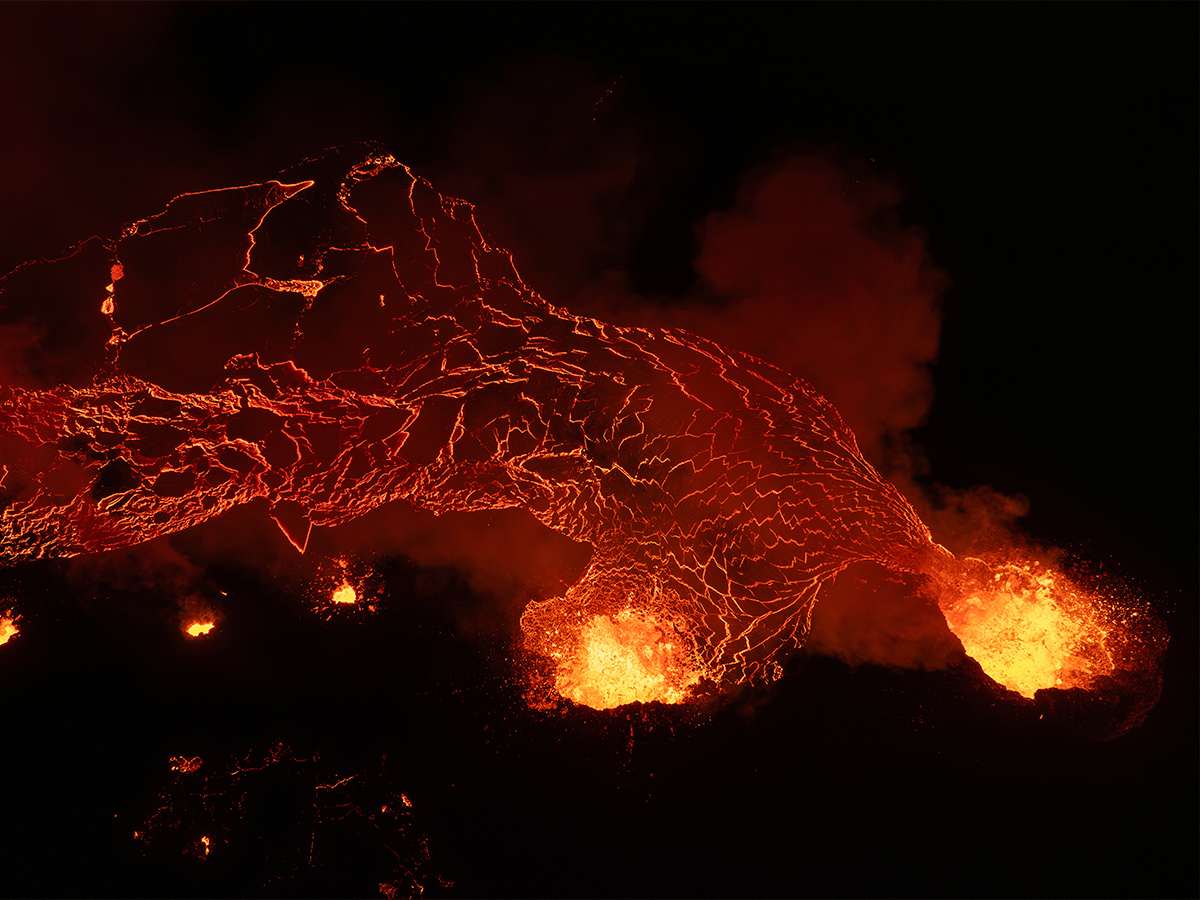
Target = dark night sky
(1048,150)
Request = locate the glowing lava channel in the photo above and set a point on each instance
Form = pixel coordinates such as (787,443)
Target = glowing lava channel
(196,629)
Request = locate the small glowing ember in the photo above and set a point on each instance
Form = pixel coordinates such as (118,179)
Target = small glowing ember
(627,658)
(198,628)
(8,628)
(351,591)
(344,593)
(186,763)
(1029,628)
(202,813)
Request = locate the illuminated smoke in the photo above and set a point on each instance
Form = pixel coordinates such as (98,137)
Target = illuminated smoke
(394,354)
(815,272)
(551,173)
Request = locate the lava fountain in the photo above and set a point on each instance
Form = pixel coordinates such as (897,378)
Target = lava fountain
(1029,627)
(629,657)
(234,352)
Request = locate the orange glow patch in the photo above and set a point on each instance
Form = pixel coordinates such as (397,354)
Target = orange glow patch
(198,628)
(346,589)
(1030,628)
(8,628)
(344,593)
(627,658)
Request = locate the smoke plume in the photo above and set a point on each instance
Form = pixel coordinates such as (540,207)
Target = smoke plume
(813,270)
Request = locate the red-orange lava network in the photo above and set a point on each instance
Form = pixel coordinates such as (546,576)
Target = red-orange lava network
(394,353)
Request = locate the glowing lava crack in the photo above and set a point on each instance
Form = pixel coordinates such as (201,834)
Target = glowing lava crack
(392,353)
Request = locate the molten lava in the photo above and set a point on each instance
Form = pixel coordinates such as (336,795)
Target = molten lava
(1029,627)
(8,627)
(627,658)
(369,345)
(344,593)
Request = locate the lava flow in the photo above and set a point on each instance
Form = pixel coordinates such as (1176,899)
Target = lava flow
(240,353)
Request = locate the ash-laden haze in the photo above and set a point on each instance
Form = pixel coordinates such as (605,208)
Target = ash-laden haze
(347,338)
